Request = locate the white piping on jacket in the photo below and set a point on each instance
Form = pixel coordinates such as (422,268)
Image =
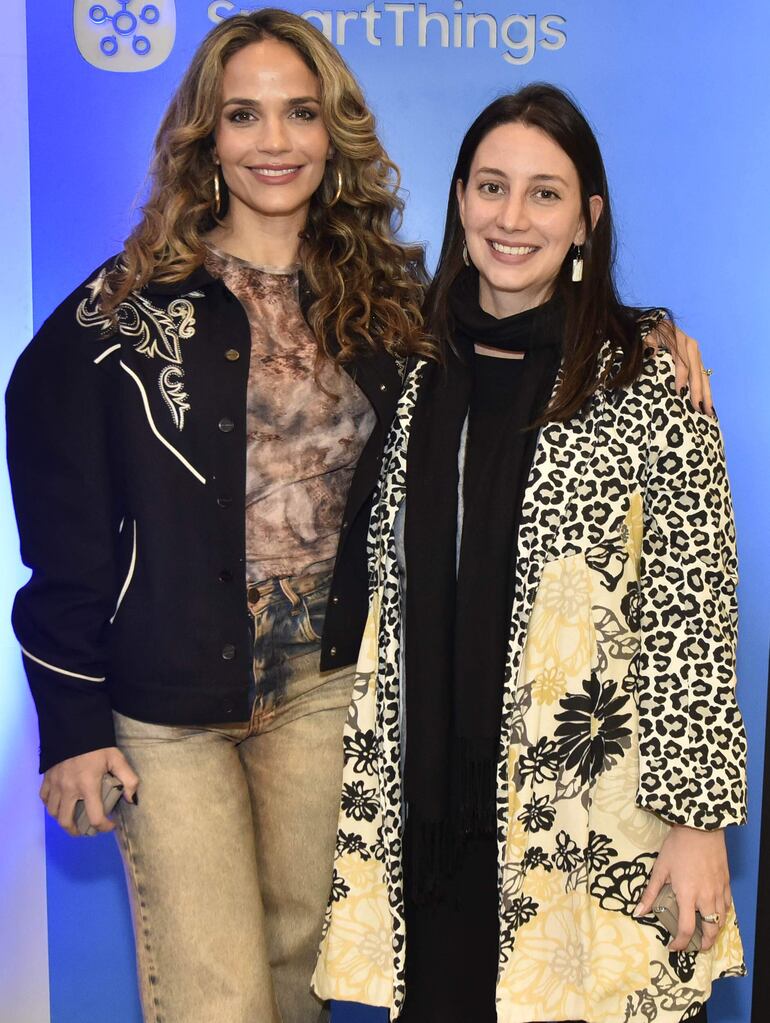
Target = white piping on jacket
(61,671)
(154,428)
(127,581)
(105,353)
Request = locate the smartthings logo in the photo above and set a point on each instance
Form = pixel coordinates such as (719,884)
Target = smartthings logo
(403,24)
(125,35)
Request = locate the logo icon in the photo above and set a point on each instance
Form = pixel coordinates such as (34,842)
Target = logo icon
(125,35)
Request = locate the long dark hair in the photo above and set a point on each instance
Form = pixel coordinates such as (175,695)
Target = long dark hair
(594,312)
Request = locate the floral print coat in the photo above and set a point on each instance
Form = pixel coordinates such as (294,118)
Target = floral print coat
(619,719)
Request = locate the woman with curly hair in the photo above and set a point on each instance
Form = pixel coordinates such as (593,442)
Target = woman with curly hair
(545,747)
(194,439)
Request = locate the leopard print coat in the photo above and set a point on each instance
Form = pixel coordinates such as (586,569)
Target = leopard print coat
(619,719)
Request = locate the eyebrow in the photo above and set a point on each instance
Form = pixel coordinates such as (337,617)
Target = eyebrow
(548,177)
(245,102)
(535,177)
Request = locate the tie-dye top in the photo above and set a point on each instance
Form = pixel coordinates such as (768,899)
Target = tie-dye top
(302,444)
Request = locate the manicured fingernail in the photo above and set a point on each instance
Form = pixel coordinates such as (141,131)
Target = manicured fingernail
(702,406)
(683,392)
(638,910)
(135,799)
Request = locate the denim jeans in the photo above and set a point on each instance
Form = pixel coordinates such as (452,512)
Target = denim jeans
(229,852)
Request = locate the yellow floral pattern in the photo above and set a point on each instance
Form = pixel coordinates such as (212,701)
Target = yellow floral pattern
(575,868)
(357,947)
(572,960)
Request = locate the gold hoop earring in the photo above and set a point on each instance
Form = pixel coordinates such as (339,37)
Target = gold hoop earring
(217,193)
(338,192)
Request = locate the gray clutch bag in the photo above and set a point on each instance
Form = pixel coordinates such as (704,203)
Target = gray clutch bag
(666,909)
(112,790)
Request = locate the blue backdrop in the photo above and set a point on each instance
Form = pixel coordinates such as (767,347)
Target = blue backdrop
(679,96)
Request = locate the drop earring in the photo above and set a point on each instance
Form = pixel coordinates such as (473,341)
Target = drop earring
(217,192)
(466,257)
(338,190)
(577,265)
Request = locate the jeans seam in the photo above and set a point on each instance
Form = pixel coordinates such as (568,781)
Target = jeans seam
(307,623)
(150,984)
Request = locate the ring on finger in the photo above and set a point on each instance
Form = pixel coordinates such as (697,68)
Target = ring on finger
(711,918)
(708,372)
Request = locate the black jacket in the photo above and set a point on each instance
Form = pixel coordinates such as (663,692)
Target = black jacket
(127,453)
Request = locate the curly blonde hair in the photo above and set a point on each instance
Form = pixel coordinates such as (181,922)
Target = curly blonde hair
(368,287)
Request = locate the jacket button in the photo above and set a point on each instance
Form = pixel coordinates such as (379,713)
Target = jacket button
(226,425)
(224,502)
(253,594)
(335,600)
(333,651)
(383,387)
(225,576)
(232,355)
(345,524)
(228,652)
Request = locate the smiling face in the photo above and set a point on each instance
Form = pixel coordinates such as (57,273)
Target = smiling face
(270,140)
(521,212)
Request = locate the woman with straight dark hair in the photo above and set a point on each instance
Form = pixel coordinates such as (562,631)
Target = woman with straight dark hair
(194,438)
(544,747)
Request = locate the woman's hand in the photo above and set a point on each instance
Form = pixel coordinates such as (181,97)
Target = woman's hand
(689,366)
(695,864)
(81,778)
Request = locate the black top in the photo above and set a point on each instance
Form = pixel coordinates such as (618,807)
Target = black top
(458,618)
(455,933)
(507,399)
(127,454)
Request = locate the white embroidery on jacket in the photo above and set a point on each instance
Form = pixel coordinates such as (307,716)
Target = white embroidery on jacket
(154,428)
(155,333)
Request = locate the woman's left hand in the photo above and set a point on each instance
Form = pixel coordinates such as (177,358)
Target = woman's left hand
(695,864)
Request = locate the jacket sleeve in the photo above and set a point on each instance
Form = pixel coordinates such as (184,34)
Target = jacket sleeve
(64,497)
(692,743)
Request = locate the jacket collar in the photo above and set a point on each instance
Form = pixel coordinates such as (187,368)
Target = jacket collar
(200,279)
(377,374)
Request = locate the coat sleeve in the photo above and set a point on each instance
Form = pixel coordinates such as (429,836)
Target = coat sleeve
(692,742)
(64,497)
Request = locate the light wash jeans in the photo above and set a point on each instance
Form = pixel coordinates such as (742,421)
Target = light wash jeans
(229,852)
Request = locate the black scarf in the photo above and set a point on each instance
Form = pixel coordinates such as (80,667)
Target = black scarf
(458,620)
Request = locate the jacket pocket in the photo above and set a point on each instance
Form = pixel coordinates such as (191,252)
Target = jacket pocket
(131,569)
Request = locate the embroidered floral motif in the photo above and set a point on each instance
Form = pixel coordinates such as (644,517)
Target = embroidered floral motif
(621,887)
(339,889)
(155,333)
(360,803)
(541,761)
(567,855)
(538,815)
(598,852)
(350,842)
(537,857)
(593,732)
(361,750)
(522,910)
(549,686)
